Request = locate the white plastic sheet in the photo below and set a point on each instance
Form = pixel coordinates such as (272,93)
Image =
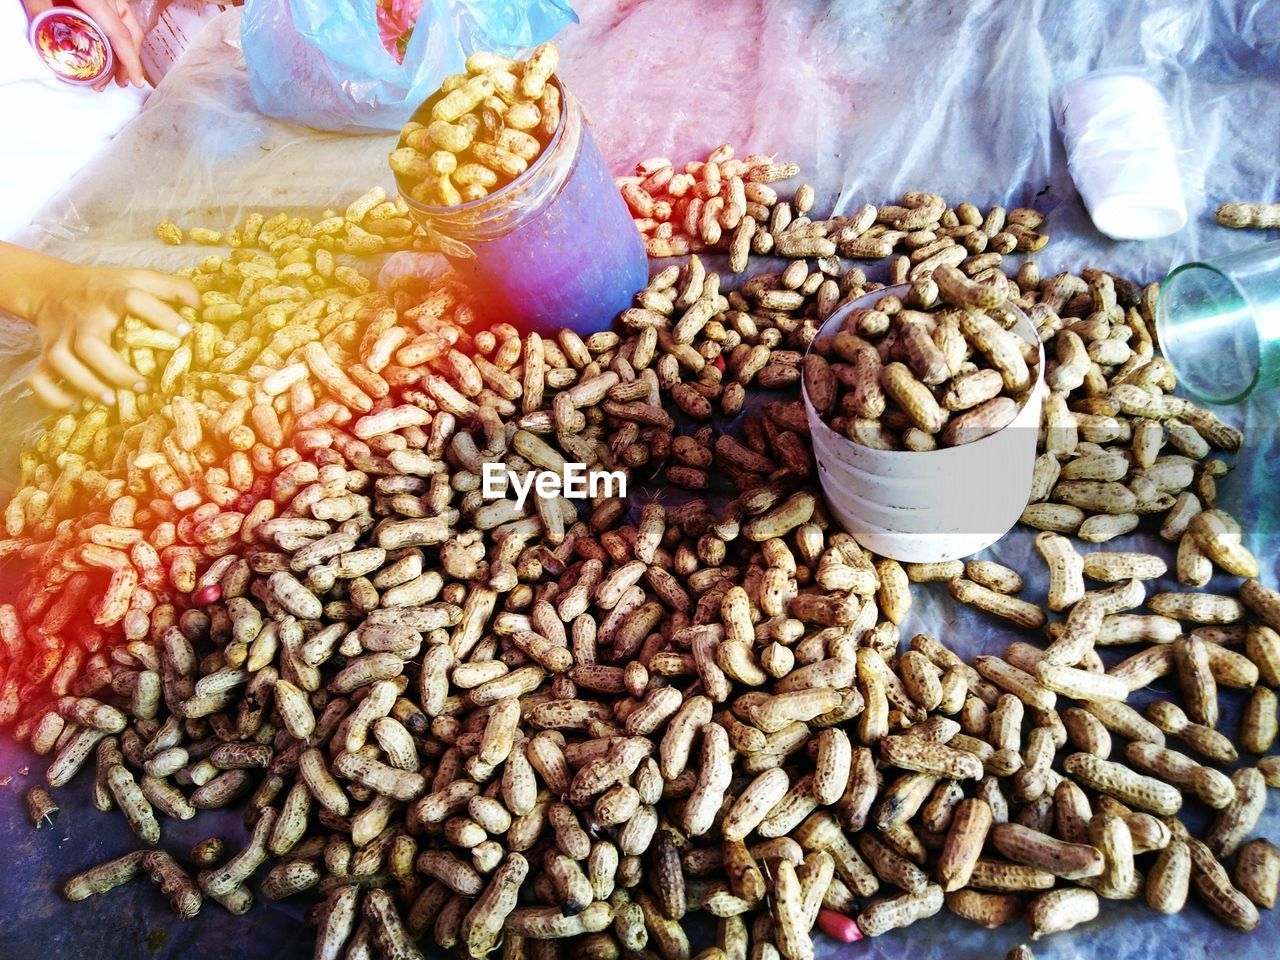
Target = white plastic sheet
(872,98)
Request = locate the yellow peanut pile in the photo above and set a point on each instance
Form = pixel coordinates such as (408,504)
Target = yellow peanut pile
(119,507)
(371,224)
(493,725)
(481,130)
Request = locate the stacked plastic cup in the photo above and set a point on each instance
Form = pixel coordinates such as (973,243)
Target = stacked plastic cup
(1115,125)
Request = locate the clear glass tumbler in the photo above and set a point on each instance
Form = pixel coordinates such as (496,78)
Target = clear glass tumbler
(1219,323)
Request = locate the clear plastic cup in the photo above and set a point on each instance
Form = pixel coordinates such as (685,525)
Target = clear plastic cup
(1219,323)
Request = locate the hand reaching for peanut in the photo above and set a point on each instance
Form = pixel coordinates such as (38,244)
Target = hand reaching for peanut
(76,310)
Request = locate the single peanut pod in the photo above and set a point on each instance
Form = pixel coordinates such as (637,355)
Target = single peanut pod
(1195,676)
(993,576)
(921,678)
(1169,718)
(1105,776)
(1221,542)
(386,929)
(1060,910)
(890,866)
(41,808)
(754,803)
(963,846)
(1086,732)
(1020,612)
(1021,684)
(1258,872)
(1079,633)
(832,765)
(549,923)
(184,896)
(999,346)
(745,878)
(988,910)
(790,932)
(894,594)
(105,876)
(538,69)
(1263,601)
(1110,833)
(935,759)
(483,923)
(1080,684)
(1236,821)
(958,290)
(1259,216)
(1169,880)
(1215,888)
(935,572)
(1071,861)
(1003,876)
(1213,787)
(133,804)
(1258,729)
(1262,644)
(913,397)
(1205,608)
(893,913)
(713,780)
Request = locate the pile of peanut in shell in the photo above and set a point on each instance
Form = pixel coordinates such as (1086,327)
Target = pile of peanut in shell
(901,377)
(458,721)
(481,129)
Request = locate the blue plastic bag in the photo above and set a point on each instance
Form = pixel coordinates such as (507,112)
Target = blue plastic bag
(321,63)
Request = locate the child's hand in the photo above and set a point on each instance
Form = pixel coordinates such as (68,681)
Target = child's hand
(76,312)
(125,35)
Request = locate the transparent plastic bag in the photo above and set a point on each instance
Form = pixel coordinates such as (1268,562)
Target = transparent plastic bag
(322,63)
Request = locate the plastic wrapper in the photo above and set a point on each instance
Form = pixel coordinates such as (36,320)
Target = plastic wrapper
(322,63)
(872,99)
